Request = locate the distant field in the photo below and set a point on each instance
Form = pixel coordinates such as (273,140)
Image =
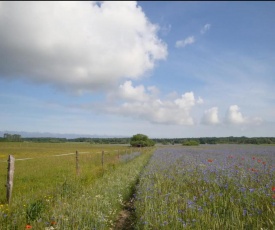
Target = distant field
(31,149)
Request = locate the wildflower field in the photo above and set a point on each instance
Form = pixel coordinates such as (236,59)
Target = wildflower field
(208,187)
(172,187)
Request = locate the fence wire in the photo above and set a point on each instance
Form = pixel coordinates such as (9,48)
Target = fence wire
(58,155)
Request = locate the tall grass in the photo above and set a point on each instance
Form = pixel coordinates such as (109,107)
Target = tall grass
(48,194)
(44,171)
(218,187)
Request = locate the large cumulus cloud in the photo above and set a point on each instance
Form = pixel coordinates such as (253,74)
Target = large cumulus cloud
(77,45)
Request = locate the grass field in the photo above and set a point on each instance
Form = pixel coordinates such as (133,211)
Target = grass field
(174,187)
(38,166)
(46,186)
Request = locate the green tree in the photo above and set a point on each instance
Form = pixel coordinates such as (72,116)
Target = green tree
(191,143)
(141,140)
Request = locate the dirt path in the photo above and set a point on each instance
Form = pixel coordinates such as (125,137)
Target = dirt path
(126,218)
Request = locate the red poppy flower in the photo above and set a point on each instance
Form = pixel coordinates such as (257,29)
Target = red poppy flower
(28,226)
(210,160)
(53,223)
(254,170)
(259,161)
(273,188)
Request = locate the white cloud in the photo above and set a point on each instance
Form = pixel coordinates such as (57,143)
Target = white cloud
(188,41)
(143,103)
(234,116)
(210,116)
(191,39)
(205,28)
(130,93)
(77,45)
(200,100)
(187,100)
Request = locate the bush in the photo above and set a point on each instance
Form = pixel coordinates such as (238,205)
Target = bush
(191,143)
(141,140)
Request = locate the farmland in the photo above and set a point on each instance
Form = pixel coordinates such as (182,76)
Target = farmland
(209,187)
(173,187)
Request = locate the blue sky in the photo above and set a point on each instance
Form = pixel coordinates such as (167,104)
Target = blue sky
(164,69)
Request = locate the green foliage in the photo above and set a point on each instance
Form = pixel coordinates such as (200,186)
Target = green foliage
(141,140)
(126,140)
(12,137)
(35,210)
(191,143)
(68,189)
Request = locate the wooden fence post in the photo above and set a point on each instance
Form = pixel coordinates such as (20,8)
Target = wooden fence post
(11,161)
(102,158)
(77,165)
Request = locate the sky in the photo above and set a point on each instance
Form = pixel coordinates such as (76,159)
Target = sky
(166,69)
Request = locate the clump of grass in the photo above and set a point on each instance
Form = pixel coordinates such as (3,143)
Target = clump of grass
(35,209)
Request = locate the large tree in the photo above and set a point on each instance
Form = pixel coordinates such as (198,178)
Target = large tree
(141,140)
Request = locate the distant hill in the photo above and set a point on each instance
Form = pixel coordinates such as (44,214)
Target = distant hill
(56,135)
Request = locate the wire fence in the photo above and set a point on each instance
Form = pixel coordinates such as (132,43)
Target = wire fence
(101,160)
(57,155)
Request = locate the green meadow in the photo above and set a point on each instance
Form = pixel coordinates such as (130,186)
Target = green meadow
(48,192)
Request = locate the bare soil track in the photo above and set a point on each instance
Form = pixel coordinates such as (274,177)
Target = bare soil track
(126,218)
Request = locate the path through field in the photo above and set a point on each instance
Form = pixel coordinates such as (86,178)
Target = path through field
(126,217)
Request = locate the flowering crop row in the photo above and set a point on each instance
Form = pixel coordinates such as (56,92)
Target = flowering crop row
(129,157)
(209,187)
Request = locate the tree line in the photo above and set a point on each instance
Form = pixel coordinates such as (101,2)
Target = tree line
(144,139)
(218,140)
